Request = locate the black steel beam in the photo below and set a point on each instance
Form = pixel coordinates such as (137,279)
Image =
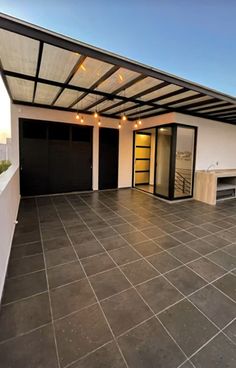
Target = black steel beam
(40,53)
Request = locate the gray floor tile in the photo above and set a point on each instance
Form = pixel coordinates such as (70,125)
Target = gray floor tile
(98,263)
(82,237)
(24,286)
(201,246)
(231,249)
(217,241)
(153,232)
(88,249)
(188,326)
(167,242)
(148,344)
(215,305)
(147,248)
(185,280)
(109,283)
(59,256)
(25,265)
(135,237)
(34,350)
(64,274)
(104,233)
(164,262)
(115,242)
(71,298)
(206,269)
(23,316)
(139,271)
(106,357)
(125,310)
(230,331)
(198,231)
(124,228)
(76,229)
(81,333)
(184,254)
(219,353)
(55,244)
(183,236)
(124,255)
(53,233)
(223,259)
(227,284)
(159,293)
(26,250)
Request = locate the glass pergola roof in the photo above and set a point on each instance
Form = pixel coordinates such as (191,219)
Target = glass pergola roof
(42,68)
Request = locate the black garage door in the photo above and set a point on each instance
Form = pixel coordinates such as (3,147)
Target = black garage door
(54,157)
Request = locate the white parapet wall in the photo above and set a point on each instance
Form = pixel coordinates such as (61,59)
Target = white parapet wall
(9,203)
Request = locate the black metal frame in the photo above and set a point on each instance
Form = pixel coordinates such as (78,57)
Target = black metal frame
(174,127)
(44,36)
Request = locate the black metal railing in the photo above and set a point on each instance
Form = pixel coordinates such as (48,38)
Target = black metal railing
(183,181)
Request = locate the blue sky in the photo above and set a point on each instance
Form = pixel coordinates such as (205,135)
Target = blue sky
(194,39)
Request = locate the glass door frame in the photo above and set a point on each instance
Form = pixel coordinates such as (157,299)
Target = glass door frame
(172,165)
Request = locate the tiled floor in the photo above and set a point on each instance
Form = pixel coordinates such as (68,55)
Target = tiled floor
(120,279)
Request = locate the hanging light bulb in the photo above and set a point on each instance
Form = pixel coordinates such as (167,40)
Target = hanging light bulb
(77,116)
(99,122)
(82,120)
(139,121)
(119,126)
(124,118)
(136,125)
(95,114)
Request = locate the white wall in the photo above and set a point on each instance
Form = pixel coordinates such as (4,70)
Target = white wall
(9,203)
(216,142)
(125,141)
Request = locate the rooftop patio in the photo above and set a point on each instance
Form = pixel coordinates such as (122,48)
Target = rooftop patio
(120,279)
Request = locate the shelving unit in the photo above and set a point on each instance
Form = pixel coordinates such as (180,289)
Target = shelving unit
(213,186)
(142,158)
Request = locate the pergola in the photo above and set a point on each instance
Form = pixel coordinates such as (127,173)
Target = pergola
(45,69)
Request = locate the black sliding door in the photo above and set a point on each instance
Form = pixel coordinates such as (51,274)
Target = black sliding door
(108,158)
(54,157)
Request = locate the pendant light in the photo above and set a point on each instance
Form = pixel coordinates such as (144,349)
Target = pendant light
(136,125)
(139,122)
(119,126)
(95,114)
(99,122)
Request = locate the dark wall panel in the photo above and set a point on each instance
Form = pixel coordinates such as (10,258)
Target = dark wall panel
(108,158)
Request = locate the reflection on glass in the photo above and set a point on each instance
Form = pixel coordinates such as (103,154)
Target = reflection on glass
(184,162)
(163,161)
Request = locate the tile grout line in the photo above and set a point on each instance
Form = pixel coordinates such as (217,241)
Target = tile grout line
(100,307)
(154,315)
(187,297)
(49,297)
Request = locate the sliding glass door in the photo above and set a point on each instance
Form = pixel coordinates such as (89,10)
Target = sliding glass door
(163,159)
(184,162)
